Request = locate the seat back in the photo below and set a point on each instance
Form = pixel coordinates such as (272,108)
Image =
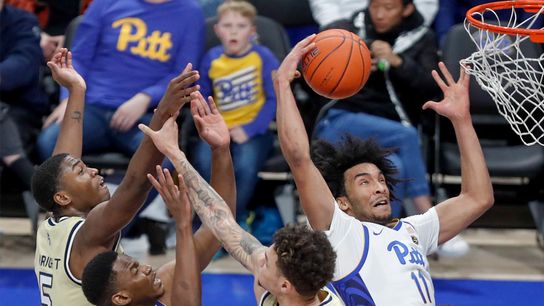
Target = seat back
(70,32)
(269,33)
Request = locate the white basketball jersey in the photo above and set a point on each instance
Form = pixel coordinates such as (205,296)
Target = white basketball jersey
(378,265)
(57,284)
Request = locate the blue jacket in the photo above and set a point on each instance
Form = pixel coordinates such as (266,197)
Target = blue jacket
(20,60)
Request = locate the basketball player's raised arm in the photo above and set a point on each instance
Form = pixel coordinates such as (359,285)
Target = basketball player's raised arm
(181,275)
(70,139)
(315,196)
(210,207)
(476,194)
(107,219)
(213,130)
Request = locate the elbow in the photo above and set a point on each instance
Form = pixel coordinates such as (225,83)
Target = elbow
(484,200)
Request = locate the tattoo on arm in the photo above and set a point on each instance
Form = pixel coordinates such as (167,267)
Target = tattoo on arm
(76,115)
(214,212)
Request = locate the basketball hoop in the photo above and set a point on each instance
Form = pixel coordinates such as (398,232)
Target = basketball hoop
(503,66)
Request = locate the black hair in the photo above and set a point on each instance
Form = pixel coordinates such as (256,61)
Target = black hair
(98,280)
(45,181)
(305,257)
(334,160)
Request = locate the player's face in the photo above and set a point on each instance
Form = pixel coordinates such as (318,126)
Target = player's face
(234,32)
(367,193)
(387,14)
(82,184)
(269,276)
(140,281)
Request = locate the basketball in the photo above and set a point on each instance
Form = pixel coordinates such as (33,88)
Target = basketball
(339,65)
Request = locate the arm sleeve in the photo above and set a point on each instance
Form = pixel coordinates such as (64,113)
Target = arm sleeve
(346,238)
(267,113)
(189,51)
(427,227)
(86,41)
(24,55)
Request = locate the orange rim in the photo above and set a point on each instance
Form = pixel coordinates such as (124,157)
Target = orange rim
(536,35)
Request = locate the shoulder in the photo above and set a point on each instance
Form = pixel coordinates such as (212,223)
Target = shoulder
(415,221)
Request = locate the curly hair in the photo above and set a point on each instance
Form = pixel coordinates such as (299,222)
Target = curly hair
(305,258)
(45,182)
(334,160)
(98,279)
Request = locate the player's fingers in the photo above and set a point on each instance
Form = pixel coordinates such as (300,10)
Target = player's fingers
(213,107)
(155,183)
(187,68)
(145,129)
(63,58)
(169,181)
(439,80)
(308,48)
(69,60)
(446,73)
(430,105)
(305,41)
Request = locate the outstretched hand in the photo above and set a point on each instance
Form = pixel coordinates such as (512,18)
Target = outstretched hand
(210,124)
(165,139)
(179,90)
(455,105)
(288,68)
(175,196)
(63,71)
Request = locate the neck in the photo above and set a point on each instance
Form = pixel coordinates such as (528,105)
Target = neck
(298,300)
(243,51)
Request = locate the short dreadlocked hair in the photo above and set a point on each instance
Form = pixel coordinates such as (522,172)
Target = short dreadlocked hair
(305,258)
(98,280)
(45,182)
(334,160)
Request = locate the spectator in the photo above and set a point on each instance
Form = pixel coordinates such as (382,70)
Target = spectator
(239,76)
(404,53)
(337,13)
(22,102)
(127,52)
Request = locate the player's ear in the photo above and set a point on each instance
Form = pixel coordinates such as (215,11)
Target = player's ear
(121,298)
(286,286)
(62,198)
(343,203)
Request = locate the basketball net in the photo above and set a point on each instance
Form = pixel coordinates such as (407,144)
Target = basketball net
(514,80)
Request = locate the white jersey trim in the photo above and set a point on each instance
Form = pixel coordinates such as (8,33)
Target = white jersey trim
(68,251)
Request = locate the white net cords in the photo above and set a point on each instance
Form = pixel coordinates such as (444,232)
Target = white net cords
(514,81)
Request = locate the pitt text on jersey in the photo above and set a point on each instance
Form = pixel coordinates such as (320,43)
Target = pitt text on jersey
(133,33)
(402,252)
